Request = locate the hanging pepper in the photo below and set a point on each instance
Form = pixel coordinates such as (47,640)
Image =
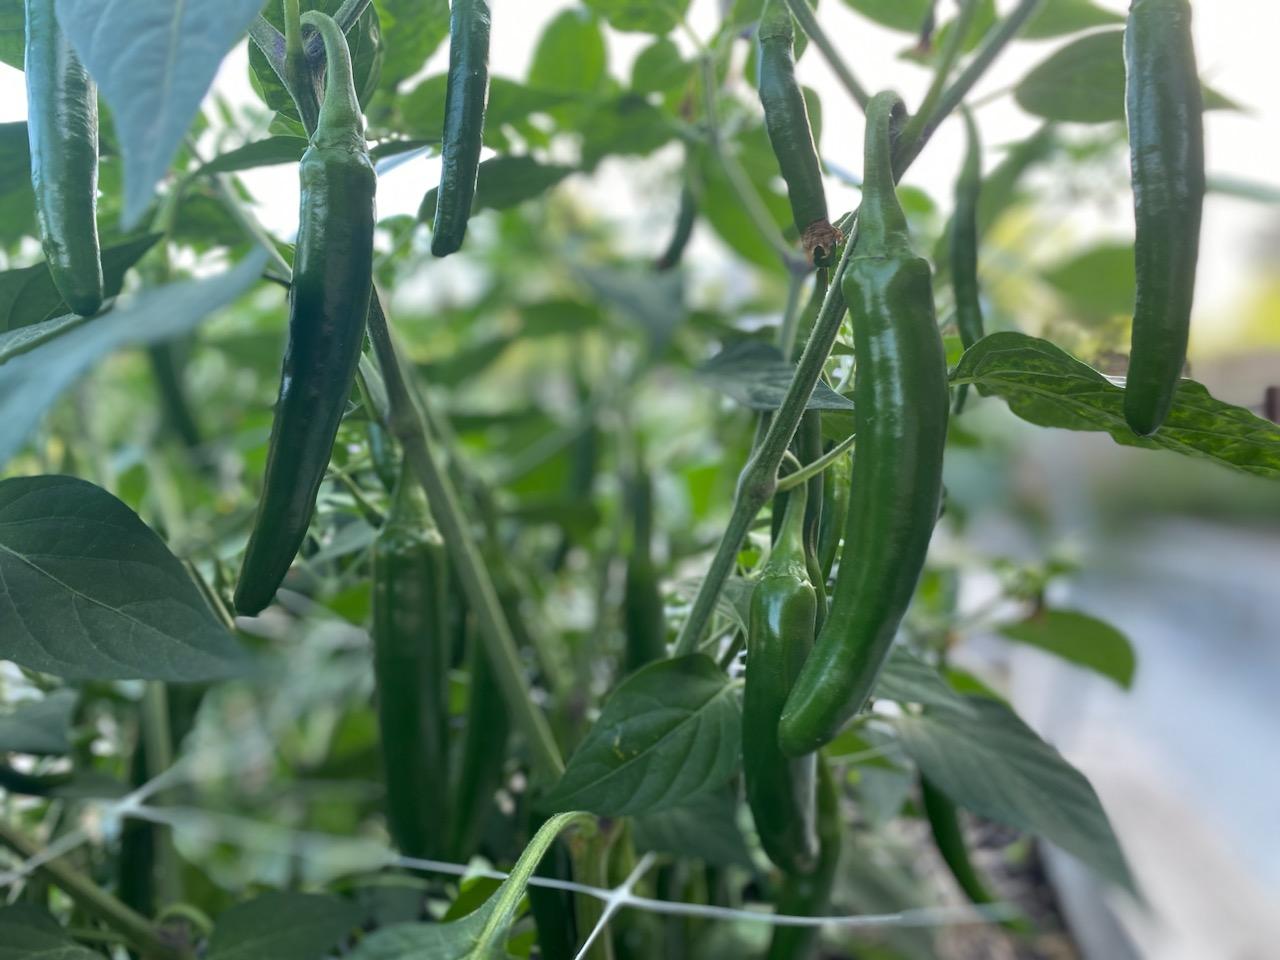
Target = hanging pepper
(62,128)
(809,894)
(780,790)
(835,507)
(332,280)
(411,666)
(900,397)
(465,97)
(643,613)
(686,216)
(964,246)
(1166,151)
(786,118)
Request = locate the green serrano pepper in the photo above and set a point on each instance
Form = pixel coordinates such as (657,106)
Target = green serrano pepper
(466,95)
(328,300)
(62,127)
(784,606)
(686,216)
(644,615)
(786,119)
(411,646)
(900,397)
(1166,151)
(809,894)
(964,246)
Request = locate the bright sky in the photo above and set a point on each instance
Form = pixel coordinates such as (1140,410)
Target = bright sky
(1235,42)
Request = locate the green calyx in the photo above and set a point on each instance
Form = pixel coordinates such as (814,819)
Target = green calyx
(340,118)
(882,226)
(776,23)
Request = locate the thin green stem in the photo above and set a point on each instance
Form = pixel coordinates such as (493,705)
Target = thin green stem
(135,928)
(808,21)
(296,65)
(740,183)
(790,317)
(996,40)
(812,469)
(157,738)
(407,424)
(942,72)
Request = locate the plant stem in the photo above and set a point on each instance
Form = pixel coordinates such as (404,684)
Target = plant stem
(408,426)
(790,317)
(996,40)
(139,931)
(758,480)
(157,739)
(942,73)
(741,184)
(298,73)
(797,477)
(808,21)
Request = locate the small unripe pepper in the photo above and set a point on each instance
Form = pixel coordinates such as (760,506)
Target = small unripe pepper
(1166,151)
(62,128)
(900,398)
(780,790)
(328,300)
(964,246)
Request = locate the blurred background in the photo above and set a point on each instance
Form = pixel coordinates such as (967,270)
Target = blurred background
(1183,558)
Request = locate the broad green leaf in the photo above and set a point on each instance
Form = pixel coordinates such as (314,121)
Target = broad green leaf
(1083,82)
(1079,638)
(1067,16)
(625,126)
(153,60)
(30,383)
(282,926)
(259,153)
(668,733)
(482,933)
(1047,386)
(660,68)
(720,205)
(754,374)
(704,829)
(990,762)
(92,593)
(570,56)
(17,200)
(504,182)
(1099,282)
(364,38)
(28,296)
(28,933)
(39,726)
(653,303)
(641,16)
(411,32)
(905,15)
(12,33)
(908,679)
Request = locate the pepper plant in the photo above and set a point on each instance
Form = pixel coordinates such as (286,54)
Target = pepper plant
(504,633)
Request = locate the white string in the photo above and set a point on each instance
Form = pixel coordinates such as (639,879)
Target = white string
(618,897)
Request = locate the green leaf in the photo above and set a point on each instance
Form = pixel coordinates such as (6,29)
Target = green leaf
(908,679)
(1047,386)
(504,182)
(92,593)
(754,374)
(282,926)
(641,16)
(13,22)
(704,829)
(904,15)
(39,726)
(668,733)
(1083,82)
(992,763)
(364,38)
(28,296)
(28,933)
(720,206)
(411,32)
(1067,16)
(1080,639)
(153,97)
(17,200)
(510,102)
(659,68)
(481,934)
(625,126)
(1098,282)
(30,383)
(259,153)
(570,56)
(653,303)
